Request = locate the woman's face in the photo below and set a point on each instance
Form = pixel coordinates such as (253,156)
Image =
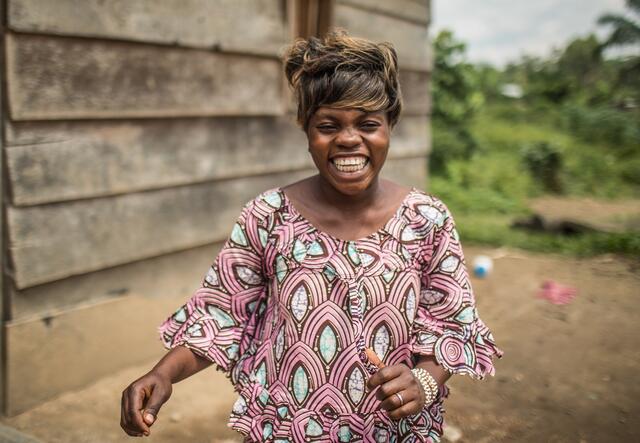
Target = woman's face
(348,146)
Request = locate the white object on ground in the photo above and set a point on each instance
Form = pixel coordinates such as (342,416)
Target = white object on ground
(482,266)
(452,433)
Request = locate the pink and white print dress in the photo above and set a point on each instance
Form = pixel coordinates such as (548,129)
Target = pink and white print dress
(287,311)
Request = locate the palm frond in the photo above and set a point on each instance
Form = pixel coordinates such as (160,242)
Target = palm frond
(625,31)
(634,5)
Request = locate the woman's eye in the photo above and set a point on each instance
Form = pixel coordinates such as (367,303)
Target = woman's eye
(370,126)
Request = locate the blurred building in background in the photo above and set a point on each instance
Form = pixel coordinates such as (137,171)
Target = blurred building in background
(133,132)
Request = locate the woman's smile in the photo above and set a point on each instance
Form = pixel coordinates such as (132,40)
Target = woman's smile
(351,163)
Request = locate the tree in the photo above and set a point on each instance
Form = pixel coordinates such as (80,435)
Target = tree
(454,101)
(626,30)
(456,97)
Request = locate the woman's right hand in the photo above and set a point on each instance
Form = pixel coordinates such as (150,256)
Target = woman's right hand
(141,402)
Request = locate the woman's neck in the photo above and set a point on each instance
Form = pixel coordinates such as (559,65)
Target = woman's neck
(325,193)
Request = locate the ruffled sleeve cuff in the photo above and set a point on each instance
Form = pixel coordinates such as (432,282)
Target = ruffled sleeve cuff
(211,335)
(467,350)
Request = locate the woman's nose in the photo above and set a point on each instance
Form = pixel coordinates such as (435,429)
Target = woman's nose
(348,137)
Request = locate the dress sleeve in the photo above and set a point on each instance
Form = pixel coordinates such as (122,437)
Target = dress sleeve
(221,318)
(447,323)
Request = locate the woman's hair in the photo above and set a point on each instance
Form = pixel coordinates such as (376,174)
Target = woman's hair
(343,72)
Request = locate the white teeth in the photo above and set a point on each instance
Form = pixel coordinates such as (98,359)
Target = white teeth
(350,164)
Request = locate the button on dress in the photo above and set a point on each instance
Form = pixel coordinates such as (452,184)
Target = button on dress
(287,310)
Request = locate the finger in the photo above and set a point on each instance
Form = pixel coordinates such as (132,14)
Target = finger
(124,404)
(396,401)
(132,432)
(389,388)
(136,399)
(124,411)
(123,408)
(384,375)
(406,410)
(158,397)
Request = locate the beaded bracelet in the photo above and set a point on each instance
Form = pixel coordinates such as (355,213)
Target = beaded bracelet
(428,383)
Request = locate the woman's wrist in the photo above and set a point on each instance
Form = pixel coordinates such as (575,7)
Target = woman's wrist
(428,383)
(179,363)
(437,371)
(435,376)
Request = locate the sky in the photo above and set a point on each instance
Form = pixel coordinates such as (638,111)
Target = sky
(499,31)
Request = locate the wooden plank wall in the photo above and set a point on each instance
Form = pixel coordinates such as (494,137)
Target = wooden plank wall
(133,133)
(4,289)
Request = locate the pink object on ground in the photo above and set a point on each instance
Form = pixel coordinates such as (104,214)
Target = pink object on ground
(557,293)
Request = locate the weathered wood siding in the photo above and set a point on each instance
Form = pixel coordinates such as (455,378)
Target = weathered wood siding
(4,287)
(64,78)
(416,11)
(133,132)
(410,39)
(246,26)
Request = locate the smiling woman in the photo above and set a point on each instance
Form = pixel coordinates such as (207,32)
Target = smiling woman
(349,99)
(348,146)
(319,271)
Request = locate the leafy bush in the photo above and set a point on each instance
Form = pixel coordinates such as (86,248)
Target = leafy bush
(494,183)
(544,161)
(617,130)
(630,171)
(449,144)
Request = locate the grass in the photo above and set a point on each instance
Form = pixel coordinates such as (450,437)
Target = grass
(596,169)
(488,191)
(495,230)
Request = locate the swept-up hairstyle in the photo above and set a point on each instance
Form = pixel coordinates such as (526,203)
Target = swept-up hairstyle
(343,72)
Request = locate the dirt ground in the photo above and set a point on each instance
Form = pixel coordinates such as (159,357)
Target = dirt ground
(569,374)
(601,215)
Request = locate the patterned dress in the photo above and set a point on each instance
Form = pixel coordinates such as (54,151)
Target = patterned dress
(287,311)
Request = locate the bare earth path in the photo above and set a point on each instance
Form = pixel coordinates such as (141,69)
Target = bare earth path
(570,373)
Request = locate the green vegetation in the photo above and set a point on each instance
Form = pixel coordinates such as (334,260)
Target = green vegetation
(567,125)
(496,231)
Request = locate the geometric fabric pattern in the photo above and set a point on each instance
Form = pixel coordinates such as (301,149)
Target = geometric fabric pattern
(287,311)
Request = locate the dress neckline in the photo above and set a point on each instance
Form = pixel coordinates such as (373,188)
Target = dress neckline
(384,228)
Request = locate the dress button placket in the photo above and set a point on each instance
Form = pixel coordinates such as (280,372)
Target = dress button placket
(355,309)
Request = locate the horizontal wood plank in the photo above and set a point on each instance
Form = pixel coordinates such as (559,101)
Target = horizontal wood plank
(170,275)
(56,161)
(254,26)
(55,241)
(66,78)
(417,11)
(410,40)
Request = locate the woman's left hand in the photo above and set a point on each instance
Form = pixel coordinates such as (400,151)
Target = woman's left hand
(399,391)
